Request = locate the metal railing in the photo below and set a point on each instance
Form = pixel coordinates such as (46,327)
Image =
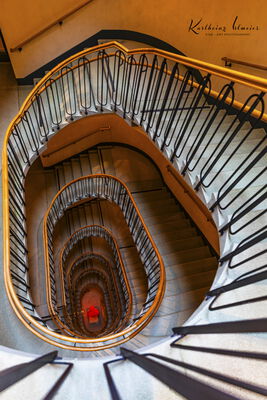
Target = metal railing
(182,383)
(122,296)
(95,278)
(112,189)
(194,119)
(12,375)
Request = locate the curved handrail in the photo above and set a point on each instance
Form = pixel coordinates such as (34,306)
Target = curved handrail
(89,231)
(17,149)
(125,334)
(85,256)
(235,76)
(117,324)
(72,193)
(103,281)
(90,254)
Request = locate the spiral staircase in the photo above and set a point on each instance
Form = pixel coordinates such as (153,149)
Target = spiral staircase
(134,173)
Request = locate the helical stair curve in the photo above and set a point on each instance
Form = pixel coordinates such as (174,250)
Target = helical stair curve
(216,142)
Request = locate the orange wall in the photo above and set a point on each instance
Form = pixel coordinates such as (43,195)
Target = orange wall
(168,21)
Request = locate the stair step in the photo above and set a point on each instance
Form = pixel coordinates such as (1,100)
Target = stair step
(156,219)
(94,162)
(169,236)
(182,302)
(76,168)
(60,177)
(151,196)
(161,326)
(137,186)
(68,175)
(131,254)
(245,148)
(233,163)
(156,202)
(133,265)
(169,226)
(186,255)
(85,164)
(139,288)
(190,268)
(189,283)
(168,209)
(107,159)
(242,198)
(180,244)
(241,183)
(136,274)
(82,216)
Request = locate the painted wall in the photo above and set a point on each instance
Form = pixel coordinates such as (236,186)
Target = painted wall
(201,29)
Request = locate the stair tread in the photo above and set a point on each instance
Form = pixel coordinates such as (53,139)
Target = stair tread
(180,234)
(192,267)
(151,196)
(179,244)
(171,226)
(182,301)
(143,205)
(160,210)
(137,186)
(186,255)
(85,164)
(168,217)
(189,282)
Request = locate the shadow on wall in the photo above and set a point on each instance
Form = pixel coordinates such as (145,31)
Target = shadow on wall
(107,34)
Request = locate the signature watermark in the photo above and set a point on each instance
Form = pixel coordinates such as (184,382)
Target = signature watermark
(235,28)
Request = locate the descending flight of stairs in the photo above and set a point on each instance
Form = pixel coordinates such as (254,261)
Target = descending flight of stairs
(188,260)
(180,244)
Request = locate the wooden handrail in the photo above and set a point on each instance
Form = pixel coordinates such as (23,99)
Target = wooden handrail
(251,81)
(229,61)
(137,326)
(27,320)
(88,254)
(109,233)
(242,78)
(59,21)
(40,331)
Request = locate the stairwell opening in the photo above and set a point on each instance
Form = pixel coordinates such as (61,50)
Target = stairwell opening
(187,257)
(218,180)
